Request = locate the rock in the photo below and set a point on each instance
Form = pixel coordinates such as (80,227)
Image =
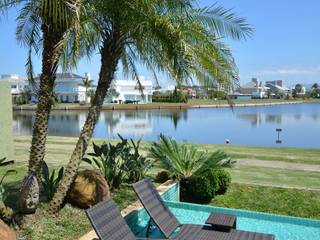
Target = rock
(29,195)
(88,189)
(6,232)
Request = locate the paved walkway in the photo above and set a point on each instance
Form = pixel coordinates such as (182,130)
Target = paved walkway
(278,164)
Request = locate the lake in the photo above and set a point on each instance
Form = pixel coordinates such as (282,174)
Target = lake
(298,125)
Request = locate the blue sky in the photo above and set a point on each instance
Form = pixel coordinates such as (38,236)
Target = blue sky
(285,45)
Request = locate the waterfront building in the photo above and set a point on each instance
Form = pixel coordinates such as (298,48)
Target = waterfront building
(128,91)
(18,84)
(277,89)
(253,89)
(67,88)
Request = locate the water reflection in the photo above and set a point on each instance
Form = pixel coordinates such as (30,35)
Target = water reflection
(257,119)
(175,115)
(243,126)
(136,123)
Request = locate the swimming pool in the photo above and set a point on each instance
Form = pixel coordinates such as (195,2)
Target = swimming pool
(283,227)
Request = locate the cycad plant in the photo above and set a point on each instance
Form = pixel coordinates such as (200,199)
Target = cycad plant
(195,169)
(166,36)
(182,160)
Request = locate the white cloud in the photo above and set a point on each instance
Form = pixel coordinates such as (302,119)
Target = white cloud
(290,71)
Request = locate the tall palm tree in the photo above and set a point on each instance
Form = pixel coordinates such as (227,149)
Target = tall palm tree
(86,83)
(53,27)
(166,36)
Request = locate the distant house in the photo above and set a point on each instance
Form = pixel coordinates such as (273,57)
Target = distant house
(18,84)
(277,90)
(253,89)
(129,91)
(67,87)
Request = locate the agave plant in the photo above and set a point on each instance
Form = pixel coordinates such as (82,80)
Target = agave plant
(183,161)
(50,181)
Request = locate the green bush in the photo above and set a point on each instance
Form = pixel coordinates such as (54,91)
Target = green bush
(197,189)
(170,97)
(213,178)
(120,162)
(224,181)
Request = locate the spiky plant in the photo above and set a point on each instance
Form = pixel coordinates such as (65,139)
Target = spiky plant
(183,161)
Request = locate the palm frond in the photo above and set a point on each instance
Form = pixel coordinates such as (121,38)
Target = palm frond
(224,22)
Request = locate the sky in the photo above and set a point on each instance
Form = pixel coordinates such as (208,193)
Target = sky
(285,44)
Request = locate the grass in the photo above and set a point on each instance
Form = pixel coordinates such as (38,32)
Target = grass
(246,191)
(276,177)
(293,202)
(59,149)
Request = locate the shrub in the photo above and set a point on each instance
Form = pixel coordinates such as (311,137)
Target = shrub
(197,189)
(213,180)
(224,181)
(49,181)
(170,97)
(162,176)
(119,162)
(136,164)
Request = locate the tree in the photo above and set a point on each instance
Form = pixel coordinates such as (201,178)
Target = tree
(315,86)
(298,88)
(315,91)
(112,93)
(166,36)
(87,84)
(55,29)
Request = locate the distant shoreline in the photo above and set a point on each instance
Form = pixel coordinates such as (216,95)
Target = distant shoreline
(157,106)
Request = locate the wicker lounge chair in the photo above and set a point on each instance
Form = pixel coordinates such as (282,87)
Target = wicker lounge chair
(168,223)
(108,223)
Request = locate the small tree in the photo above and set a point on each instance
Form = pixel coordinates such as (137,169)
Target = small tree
(87,84)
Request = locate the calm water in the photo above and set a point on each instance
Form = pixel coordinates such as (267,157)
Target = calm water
(254,126)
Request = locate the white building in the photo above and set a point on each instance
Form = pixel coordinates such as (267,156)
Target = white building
(129,91)
(68,87)
(253,89)
(18,84)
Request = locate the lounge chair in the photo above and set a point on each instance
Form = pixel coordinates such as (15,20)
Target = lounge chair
(108,223)
(168,224)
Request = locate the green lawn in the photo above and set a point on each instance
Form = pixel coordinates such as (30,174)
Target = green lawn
(291,202)
(276,177)
(59,149)
(246,192)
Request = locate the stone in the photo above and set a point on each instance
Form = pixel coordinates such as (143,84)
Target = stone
(88,189)
(6,232)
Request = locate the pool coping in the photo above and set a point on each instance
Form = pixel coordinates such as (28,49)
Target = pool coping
(135,206)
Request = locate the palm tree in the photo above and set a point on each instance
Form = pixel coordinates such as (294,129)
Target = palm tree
(166,36)
(55,29)
(86,83)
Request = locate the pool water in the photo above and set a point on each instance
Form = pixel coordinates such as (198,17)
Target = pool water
(283,227)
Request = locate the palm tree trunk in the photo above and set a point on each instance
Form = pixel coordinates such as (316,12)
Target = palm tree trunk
(110,55)
(50,58)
